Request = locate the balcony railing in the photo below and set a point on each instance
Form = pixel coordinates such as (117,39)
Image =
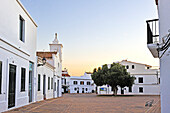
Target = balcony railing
(152,31)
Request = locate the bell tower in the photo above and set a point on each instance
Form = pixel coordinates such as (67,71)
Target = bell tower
(55,46)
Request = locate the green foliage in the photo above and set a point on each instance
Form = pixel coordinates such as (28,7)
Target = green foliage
(114,76)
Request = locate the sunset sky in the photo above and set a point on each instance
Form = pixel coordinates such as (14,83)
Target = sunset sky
(94,32)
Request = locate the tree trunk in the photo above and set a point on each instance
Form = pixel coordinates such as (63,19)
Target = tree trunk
(115,91)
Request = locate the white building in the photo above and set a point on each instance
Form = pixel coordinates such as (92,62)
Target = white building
(160,48)
(18,35)
(65,81)
(147,80)
(81,84)
(49,75)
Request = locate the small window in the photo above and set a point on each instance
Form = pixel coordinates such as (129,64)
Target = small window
(51,83)
(127,67)
(75,89)
(39,82)
(130,89)
(22,29)
(86,89)
(148,67)
(140,80)
(74,82)
(48,83)
(159,80)
(81,82)
(133,66)
(140,89)
(0,77)
(88,83)
(23,72)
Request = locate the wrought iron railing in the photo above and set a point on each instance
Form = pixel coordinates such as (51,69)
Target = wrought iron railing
(152,31)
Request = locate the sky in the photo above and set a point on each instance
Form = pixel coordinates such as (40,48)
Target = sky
(94,32)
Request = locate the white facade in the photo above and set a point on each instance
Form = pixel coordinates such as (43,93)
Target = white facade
(45,81)
(18,56)
(147,80)
(52,71)
(82,84)
(164,55)
(65,81)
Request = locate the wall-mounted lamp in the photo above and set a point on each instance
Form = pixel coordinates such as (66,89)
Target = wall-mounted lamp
(43,62)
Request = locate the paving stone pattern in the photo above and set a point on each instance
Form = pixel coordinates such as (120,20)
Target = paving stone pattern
(91,103)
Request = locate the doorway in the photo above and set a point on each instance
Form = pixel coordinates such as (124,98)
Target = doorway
(12,85)
(82,90)
(57,88)
(30,82)
(44,86)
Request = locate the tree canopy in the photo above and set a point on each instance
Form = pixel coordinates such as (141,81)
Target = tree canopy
(114,75)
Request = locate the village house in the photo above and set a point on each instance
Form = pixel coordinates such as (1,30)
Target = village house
(65,81)
(81,84)
(147,80)
(18,35)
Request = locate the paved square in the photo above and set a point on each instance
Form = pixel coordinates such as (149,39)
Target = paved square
(91,103)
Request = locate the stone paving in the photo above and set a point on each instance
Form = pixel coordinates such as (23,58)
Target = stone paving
(90,103)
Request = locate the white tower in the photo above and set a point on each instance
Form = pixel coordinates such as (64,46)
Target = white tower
(55,46)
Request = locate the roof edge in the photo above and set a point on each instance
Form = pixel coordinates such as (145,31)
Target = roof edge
(18,1)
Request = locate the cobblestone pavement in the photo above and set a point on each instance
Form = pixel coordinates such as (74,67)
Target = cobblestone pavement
(89,103)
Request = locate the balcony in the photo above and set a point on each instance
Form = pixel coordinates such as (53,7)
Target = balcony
(153,36)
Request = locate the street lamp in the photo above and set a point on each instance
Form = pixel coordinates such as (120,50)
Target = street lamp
(43,62)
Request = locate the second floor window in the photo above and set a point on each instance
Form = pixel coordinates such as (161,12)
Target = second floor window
(75,82)
(133,66)
(23,72)
(81,82)
(88,83)
(140,80)
(127,67)
(21,29)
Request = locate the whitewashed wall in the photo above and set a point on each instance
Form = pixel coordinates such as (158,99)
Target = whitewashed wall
(49,72)
(164,26)
(14,51)
(78,79)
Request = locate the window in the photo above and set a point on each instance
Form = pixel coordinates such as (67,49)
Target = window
(86,89)
(140,89)
(23,71)
(133,67)
(75,89)
(48,83)
(159,81)
(75,82)
(88,83)
(64,81)
(39,81)
(51,83)
(127,67)
(148,68)
(0,77)
(22,29)
(130,89)
(140,80)
(81,82)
